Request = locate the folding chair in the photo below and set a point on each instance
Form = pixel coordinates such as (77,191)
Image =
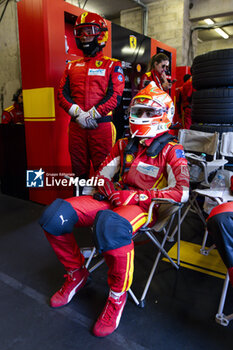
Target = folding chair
(195,143)
(167,211)
(226,150)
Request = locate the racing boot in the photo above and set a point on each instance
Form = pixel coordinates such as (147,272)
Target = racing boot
(75,280)
(109,318)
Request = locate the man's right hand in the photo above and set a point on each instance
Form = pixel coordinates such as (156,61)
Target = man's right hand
(74,111)
(107,188)
(86,121)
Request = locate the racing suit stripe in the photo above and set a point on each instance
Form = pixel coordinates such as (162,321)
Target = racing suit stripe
(113,134)
(156,182)
(139,224)
(129,198)
(126,273)
(131,270)
(137,218)
(162,183)
(66,90)
(139,221)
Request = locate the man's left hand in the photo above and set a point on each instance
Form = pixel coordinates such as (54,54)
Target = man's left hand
(124,197)
(86,121)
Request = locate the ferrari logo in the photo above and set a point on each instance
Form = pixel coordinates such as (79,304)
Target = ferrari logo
(83,16)
(98,63)
(132,41)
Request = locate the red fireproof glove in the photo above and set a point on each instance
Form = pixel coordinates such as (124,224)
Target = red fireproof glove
(107,188)
(124,197)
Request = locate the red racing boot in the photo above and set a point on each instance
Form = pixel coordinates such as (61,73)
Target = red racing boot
(109,318)
(75,280)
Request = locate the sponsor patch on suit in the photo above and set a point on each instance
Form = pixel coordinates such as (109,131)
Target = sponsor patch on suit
(148,169)
(97,71)
(180,153)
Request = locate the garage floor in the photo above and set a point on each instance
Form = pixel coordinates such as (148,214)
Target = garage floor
(179,313)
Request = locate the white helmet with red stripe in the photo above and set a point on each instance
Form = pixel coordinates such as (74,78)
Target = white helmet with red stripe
(151,112)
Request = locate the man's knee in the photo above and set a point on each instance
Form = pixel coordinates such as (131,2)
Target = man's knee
(111,231)
(59,218)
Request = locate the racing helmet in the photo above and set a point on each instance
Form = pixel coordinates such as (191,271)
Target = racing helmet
(151,112)
(93,25)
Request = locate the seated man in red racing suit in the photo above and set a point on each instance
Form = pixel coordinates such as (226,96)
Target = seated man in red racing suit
(149,165)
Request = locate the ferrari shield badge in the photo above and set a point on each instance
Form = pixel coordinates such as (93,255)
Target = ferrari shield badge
(98,63)
(133,41)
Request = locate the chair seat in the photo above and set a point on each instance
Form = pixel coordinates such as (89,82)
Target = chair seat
(164,215)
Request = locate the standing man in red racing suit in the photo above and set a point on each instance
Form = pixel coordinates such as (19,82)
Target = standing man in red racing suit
(91,87)
(186,103)
(149,165)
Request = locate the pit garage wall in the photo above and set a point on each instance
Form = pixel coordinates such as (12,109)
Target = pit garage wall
(43,25)
(43,59)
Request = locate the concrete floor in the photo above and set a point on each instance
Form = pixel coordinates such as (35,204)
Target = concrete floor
(179,312)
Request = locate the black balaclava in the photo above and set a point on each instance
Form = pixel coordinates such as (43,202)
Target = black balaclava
(89,49)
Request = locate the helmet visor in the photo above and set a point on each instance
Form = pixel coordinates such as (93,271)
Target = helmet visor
(86,30)
(143,112)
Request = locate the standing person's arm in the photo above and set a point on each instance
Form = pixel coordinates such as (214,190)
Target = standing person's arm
(114,92)
(84,119)
(165,84)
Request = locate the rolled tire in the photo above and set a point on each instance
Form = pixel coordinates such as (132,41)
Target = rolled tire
(213,69)
(214,106)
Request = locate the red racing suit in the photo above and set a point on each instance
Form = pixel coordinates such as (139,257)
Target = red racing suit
(91,81)
(13,114)
(186,103)
(162,176)
(151,76)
